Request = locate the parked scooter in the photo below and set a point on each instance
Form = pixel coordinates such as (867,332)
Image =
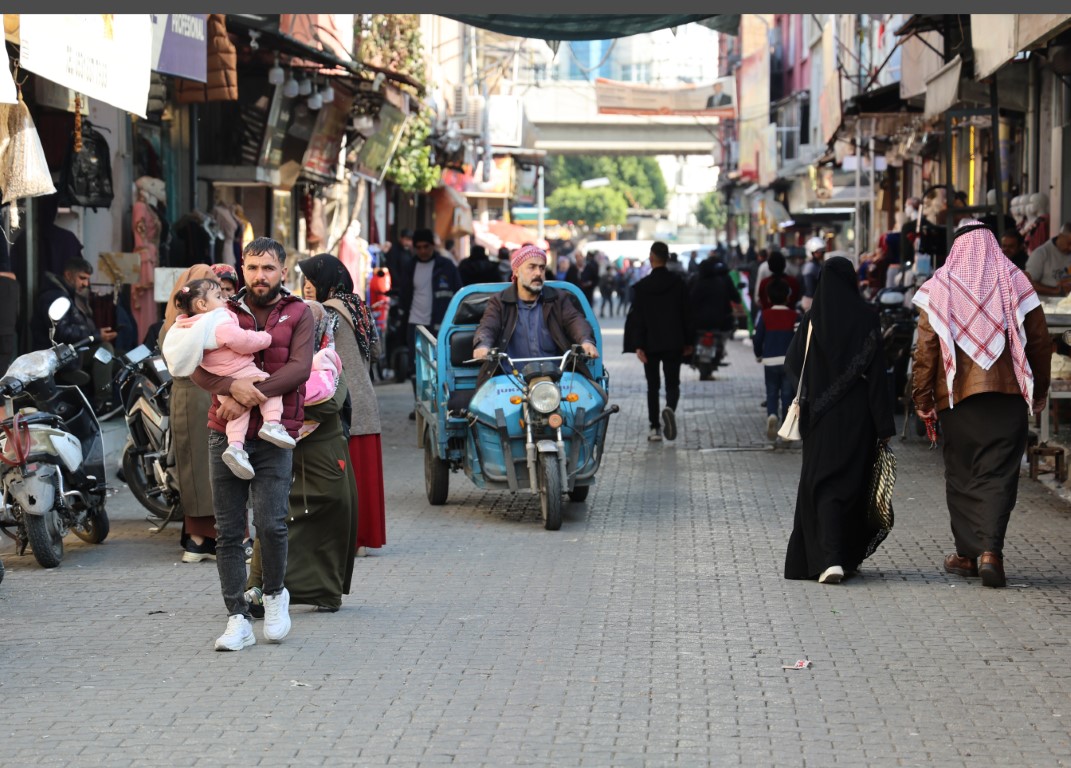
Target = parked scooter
(144,385)
(52,453)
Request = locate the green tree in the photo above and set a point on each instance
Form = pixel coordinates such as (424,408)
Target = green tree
(711,211)
(411,167)
(637,178)
(603,205)
(392,41)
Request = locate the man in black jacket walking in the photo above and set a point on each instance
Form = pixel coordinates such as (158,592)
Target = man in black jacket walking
(659,330)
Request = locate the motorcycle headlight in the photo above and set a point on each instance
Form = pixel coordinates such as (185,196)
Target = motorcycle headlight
(545,396)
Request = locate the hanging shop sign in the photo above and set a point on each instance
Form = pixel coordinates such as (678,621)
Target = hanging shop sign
(375,154)
(321,157)
(179,44)
(106,56)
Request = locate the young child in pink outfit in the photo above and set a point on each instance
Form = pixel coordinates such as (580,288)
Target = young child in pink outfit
(207,334)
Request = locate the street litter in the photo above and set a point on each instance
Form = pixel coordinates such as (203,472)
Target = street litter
(296,684)
(801,664)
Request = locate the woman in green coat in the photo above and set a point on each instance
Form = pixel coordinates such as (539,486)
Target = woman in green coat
(323,506)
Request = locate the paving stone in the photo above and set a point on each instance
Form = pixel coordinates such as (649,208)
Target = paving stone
(650,630)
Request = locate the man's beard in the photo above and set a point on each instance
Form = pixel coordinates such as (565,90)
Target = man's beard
(533,286)
(267,298)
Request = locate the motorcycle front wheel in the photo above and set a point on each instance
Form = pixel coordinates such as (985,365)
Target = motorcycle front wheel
(46,538)
(142,484)
(550,492)
(96,527)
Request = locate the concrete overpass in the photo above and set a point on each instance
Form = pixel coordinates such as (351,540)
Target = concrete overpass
(568,122)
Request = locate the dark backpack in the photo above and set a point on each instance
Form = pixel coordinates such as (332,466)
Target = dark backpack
(87,175)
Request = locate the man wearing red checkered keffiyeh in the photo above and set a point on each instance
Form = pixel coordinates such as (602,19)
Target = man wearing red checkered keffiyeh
(974,300)
(981,325)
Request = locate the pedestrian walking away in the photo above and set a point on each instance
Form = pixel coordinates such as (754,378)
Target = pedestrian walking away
(658,328)
(263,304)
(983,348)
(846,412)
(773,334)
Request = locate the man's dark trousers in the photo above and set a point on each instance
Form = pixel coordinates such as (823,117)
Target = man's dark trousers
(671,367)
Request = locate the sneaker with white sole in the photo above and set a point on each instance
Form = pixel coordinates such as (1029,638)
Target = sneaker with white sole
(831,575)
(239,634)
(669,421)
(655,435)
(277,616)
(771,427)
(276,434)
(237,461)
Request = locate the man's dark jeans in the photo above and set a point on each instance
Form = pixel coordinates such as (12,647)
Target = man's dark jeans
(271,502)
(671,367)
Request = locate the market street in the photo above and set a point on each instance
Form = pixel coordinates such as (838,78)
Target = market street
(651,629)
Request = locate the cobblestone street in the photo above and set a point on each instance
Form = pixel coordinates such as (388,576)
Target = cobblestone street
(650,630)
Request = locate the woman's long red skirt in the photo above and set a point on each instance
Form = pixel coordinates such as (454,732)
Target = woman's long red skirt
(366,454)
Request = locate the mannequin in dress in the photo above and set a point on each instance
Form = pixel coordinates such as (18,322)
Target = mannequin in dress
(147,228)
(229,226)
(353,253)
(1038,234)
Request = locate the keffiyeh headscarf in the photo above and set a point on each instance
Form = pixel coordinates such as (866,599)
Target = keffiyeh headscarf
(332,281)
(975,301)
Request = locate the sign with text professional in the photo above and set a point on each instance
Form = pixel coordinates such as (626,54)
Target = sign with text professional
(180,45)
(106,56)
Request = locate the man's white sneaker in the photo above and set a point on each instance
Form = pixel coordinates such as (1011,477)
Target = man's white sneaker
(831,575)
(237,461)
(276,434)
(277,616)
(239,634)
(771,427)
(655,435)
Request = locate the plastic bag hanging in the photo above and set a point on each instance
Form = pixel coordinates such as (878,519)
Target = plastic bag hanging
(24,169)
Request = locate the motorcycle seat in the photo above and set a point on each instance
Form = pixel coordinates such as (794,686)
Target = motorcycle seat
(461,348)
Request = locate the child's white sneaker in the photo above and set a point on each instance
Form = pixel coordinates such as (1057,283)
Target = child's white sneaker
(276,435)
(237,460)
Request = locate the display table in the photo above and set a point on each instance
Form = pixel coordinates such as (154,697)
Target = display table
(1060,389)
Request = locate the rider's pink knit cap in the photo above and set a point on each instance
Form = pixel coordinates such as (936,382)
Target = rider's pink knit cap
(526,253)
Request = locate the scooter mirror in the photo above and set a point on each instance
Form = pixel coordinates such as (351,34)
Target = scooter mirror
(59,308)
(102,356)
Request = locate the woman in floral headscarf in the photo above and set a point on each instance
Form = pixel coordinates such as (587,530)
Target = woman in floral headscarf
(357,343)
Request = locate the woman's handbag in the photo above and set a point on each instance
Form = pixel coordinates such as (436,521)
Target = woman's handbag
(879,510)
(790,430)
(879,495)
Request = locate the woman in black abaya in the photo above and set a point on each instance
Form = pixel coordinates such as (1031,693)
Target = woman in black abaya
(845,410)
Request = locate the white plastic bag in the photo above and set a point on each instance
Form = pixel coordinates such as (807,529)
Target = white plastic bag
(23,167)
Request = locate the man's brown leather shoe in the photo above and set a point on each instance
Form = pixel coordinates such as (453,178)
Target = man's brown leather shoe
(991,569)
(960,565)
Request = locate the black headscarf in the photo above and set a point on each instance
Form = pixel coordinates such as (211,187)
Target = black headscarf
(845,339)
(332,281)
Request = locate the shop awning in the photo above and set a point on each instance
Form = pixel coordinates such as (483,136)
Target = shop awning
(268,30)
(942,88)
(586,26)
(496,234)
